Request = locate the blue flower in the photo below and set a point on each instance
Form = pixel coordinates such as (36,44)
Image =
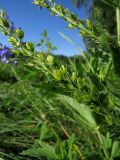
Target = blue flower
(5,54)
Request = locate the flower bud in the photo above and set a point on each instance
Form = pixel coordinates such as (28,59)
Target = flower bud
(19,33)
(71,26)
(30,46)
(50,59)
(57,74)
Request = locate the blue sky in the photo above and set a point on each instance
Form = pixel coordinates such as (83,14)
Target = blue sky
(34,21)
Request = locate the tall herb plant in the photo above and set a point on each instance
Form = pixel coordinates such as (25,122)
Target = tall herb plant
(64,111)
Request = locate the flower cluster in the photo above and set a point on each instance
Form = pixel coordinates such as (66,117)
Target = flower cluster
(6,54)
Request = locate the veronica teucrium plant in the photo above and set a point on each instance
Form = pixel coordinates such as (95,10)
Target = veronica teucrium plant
(76,97)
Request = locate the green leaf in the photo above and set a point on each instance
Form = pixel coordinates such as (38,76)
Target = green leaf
(84,114)
(45,133)
(107,141)
(57,74)
(4,22)
(115,149)
(16,51)
(104,71)
(44,151)
(13,41)
(45,34)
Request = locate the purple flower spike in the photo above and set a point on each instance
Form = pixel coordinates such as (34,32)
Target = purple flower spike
(5,54)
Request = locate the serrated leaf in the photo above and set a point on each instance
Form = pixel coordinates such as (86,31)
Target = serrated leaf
(45,133)
(45,150)
(115,149)
(84,113)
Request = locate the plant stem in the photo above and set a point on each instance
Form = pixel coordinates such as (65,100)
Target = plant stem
(118,23)
(103,146)
(77,149)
